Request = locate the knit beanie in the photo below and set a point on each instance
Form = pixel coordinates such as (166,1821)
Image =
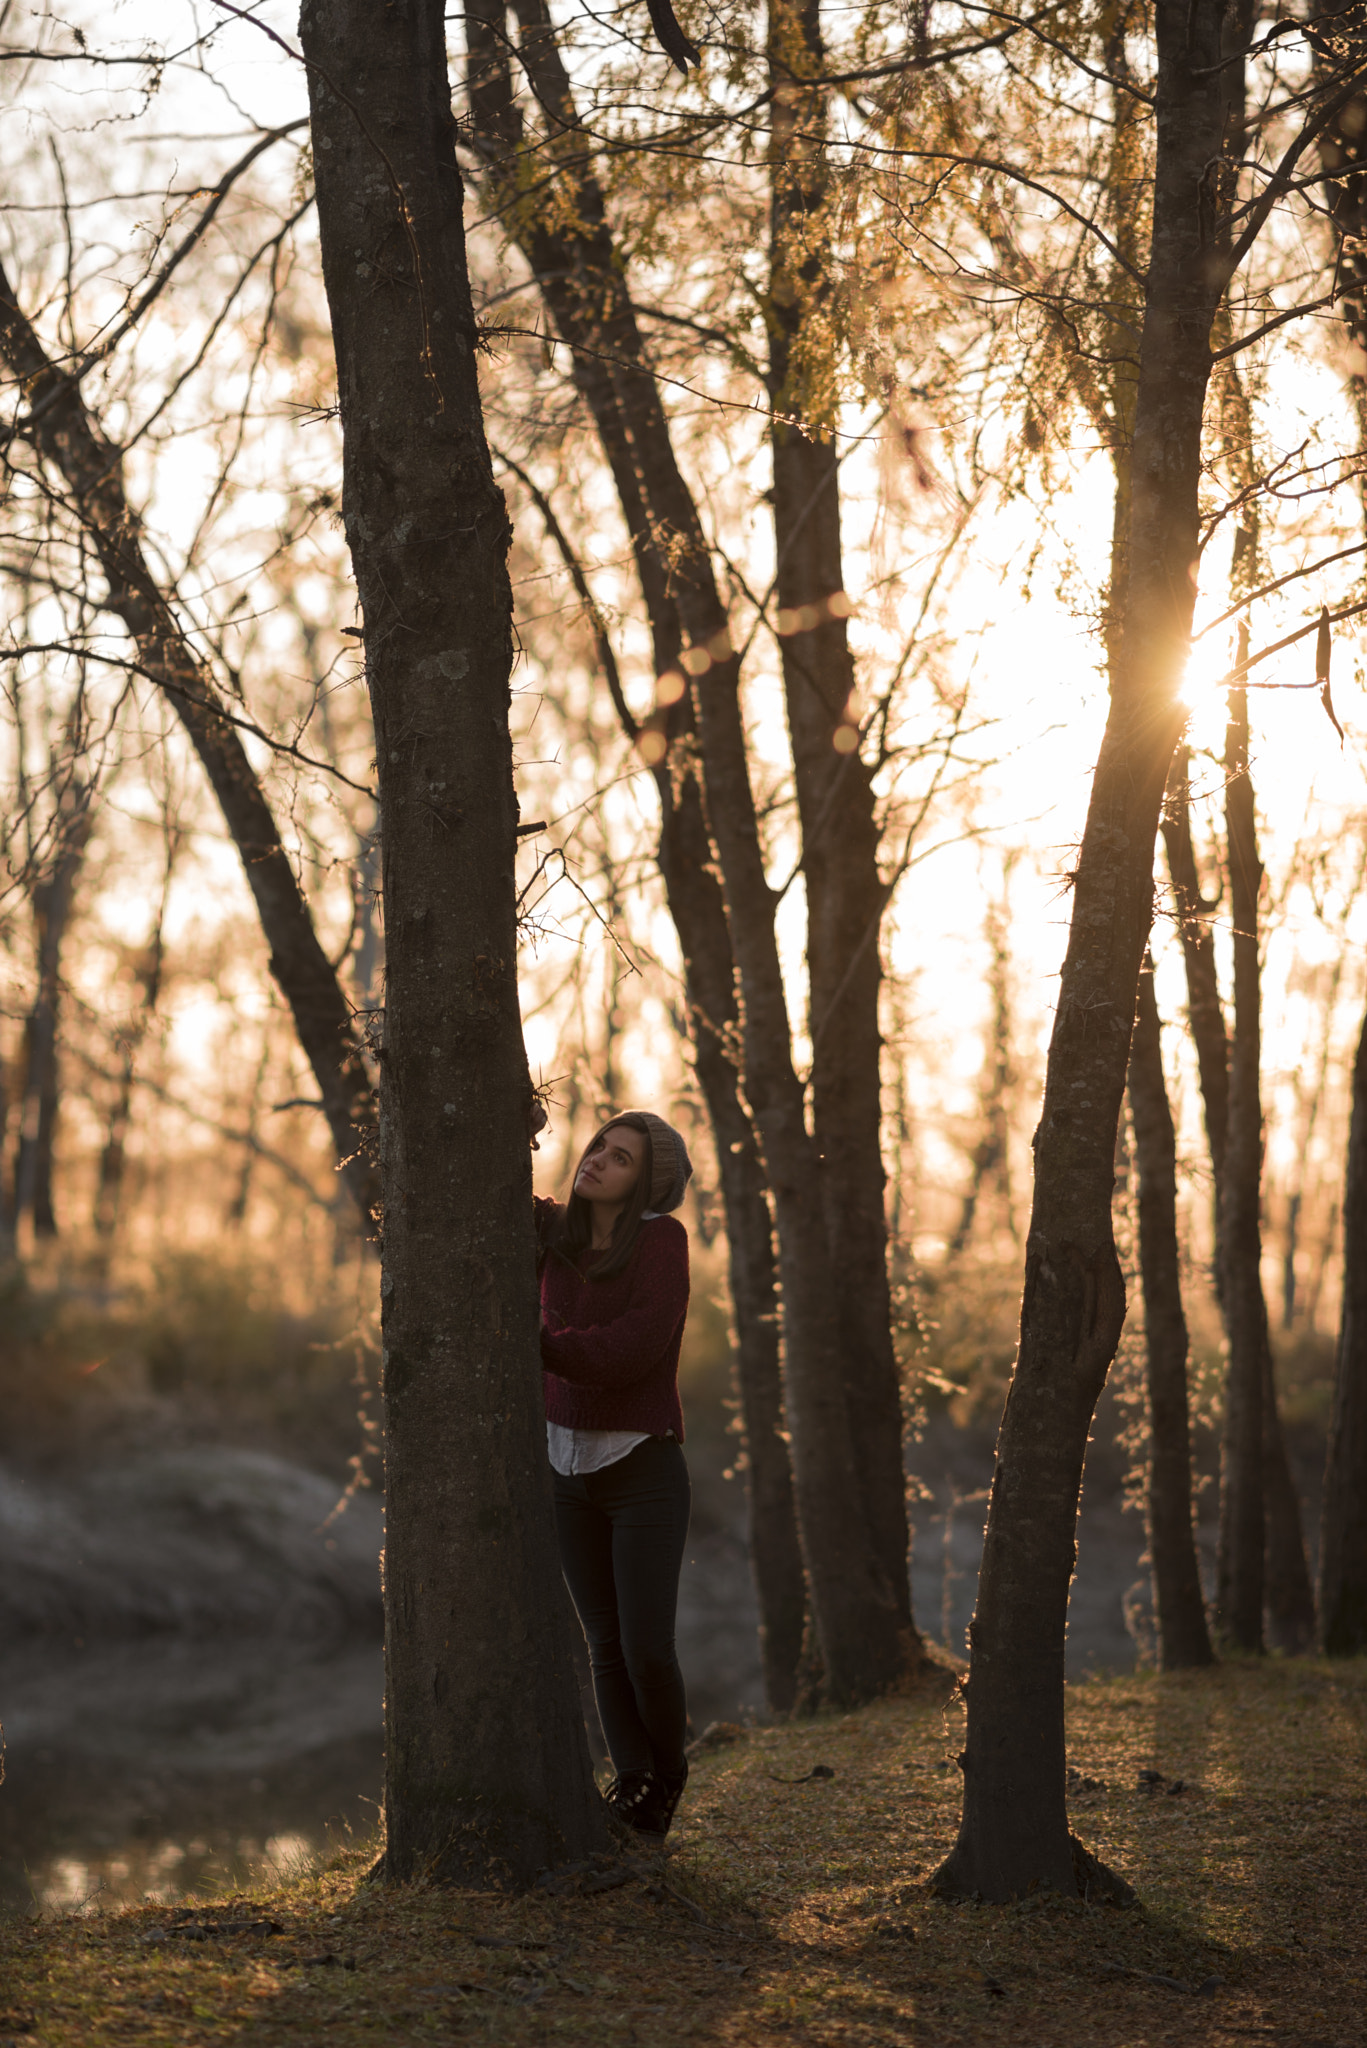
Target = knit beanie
(671,1167)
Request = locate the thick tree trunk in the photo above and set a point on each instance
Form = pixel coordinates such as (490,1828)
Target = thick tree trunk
(865,1644)
(1343,1525)
(487,1772)
(1014,1832)
(1183,1639)
(846,895)
(1343,1522)
(41,1100)
(56,424)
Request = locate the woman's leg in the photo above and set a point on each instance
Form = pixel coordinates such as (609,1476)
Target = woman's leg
(585,1532)
(646,1496)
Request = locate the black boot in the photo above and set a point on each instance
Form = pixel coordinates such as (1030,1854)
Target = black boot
(633,1798)
(658,1812)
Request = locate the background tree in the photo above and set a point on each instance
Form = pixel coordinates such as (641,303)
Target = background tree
(1014,1828)
(1183,1638)
(857,1576)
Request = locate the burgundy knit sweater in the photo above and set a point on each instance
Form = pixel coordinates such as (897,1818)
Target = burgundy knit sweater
(610,1348)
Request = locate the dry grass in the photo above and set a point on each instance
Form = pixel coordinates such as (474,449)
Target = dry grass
(799,1912)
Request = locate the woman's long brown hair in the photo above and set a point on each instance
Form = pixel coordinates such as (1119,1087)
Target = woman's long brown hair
(573,1232)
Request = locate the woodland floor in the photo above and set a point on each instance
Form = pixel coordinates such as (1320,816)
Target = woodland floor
(799,1912)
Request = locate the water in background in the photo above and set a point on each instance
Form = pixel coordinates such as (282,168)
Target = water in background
(164,1765)
(157,1767)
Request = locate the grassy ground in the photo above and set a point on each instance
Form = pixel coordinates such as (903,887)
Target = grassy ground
(792,1912)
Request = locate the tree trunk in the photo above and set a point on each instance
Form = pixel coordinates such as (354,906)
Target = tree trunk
(1205,1011)
(1014,1831)
(991,1154)
(114,1155)
(1183,1639)
(1287,1591)
(1288,1595)
(699,913)
(1343,1522)
(56,424)
(1258,1509)
(41,1100)
(487,1772)
(864,1642)
(1239,1595)
(1343,1525)
(1343,152)
(846,895)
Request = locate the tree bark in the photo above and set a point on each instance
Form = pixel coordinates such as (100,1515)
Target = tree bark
(695,900)
(487,1772)
(1183,1639)
(1205,1011)
(1288,1593)
(1343,152)
(1239,1594)
(1343,1525)
(1343,1521)
(846,894)
(864,1642)
(54,421)
(699,911)
(1289,1598)
(1014,1830)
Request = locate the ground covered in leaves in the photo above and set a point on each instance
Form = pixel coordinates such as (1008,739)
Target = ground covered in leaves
(793,1906)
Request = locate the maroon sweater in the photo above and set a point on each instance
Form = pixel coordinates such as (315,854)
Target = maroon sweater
(610,1348)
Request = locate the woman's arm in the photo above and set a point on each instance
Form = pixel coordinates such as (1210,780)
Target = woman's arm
(617,1353)
(546,1215)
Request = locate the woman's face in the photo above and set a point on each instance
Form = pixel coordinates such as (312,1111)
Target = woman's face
(611,1167)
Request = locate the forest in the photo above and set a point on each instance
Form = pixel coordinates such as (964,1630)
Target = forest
(802,569)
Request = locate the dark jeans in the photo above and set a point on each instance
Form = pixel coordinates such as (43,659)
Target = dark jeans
(622,1533)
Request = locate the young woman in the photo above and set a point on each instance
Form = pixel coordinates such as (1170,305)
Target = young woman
(614,1295)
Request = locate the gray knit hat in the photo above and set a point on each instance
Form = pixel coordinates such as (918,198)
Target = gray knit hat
(671,1167)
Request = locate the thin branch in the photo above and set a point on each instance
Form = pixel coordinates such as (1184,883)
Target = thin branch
(1291,156)
(1236,675)
(1051,42)
(1292,576)
(219,193)
(164,682)
(580,581)
(212,1123)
